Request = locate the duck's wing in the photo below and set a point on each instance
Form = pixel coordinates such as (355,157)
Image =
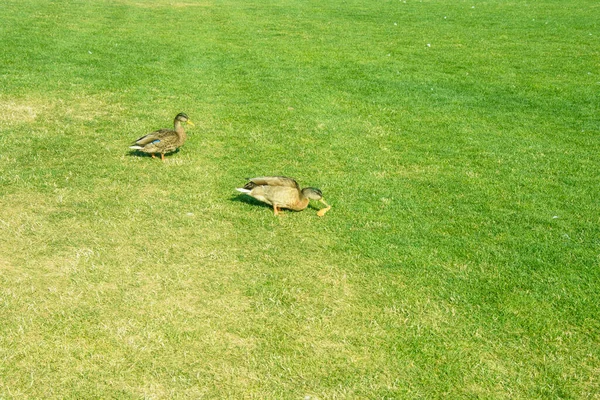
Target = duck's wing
(154,137)
(274,181)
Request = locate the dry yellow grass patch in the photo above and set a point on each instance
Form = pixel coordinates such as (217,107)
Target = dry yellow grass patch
(25,111)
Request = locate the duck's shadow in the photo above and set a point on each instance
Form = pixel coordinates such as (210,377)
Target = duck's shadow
(137,153)
(241,198)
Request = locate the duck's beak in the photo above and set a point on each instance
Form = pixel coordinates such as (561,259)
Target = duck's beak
(190,122)
(322,211)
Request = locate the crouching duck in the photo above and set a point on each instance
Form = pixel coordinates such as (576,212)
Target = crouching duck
(283,192)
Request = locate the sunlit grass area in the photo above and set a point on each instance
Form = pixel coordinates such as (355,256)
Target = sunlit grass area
(457,142)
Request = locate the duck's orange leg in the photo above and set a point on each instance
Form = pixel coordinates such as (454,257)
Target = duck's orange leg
(275,210)
(162,156)
(152,154)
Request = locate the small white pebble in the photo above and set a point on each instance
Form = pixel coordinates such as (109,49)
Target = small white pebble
(428,44)
(556,216)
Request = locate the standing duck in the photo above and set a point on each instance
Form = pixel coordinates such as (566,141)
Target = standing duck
(163,140)
(283,192)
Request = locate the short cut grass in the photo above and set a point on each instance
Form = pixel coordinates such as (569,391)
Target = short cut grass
(457,142)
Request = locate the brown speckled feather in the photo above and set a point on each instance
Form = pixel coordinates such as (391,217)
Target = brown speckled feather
(282,192)
(276,181)
(163,140)
(280,196)
(167,140)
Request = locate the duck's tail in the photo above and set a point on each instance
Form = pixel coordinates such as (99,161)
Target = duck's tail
(136,147)
(246,191)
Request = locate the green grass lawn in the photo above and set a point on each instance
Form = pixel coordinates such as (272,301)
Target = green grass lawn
(457,142)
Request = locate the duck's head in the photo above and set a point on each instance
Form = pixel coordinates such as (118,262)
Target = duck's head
(182,117)
(316,194)
(312,193)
